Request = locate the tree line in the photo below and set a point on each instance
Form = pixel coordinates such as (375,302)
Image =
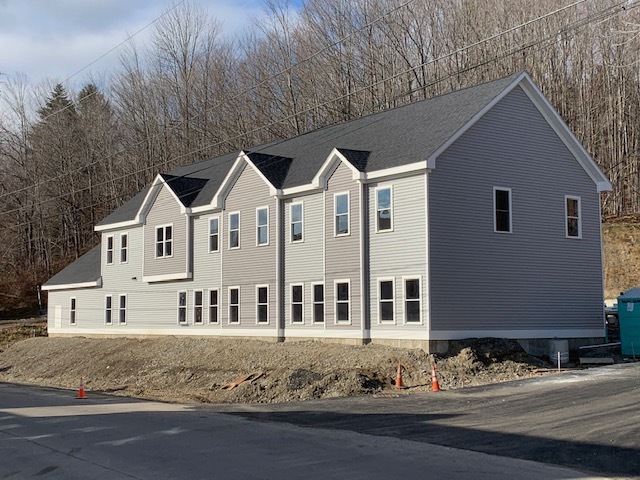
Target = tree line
(68,158)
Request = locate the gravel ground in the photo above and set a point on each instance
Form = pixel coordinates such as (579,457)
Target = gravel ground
(192,369)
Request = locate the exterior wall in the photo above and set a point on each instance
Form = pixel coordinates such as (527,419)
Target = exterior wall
(342,253)
(399,254)
(533,282)
(165,211)
(304,261)
(250,265)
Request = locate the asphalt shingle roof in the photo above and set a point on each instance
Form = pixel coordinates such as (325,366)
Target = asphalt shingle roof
(84,269)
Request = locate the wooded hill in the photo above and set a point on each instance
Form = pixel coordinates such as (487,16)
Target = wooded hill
(67,157)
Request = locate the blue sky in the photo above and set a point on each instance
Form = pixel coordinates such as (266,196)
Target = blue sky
(54,39)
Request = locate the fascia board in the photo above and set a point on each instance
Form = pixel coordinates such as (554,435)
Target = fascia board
(74,286)
(321,177)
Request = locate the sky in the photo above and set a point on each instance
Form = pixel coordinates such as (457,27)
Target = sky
(55,39)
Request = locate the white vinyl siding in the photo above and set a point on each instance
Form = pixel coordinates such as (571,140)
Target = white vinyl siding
(384,209)
(214,306)
(164,241)
(573,217)
(124,248)
(214,234)
(182,307)
(198,299)
(297,303)
(234,230)
(341,213)
(502,210)
(108,310)
(296,214)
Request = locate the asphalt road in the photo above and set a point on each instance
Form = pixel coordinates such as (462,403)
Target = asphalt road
(48,434)
(587,420)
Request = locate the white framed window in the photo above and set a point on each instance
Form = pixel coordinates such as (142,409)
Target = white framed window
(572,211)
(122,309)
(214,234)
(198,299)
(318,302)
(412,300)
(342,301)
(262,226)
(182,307)
(297,303)
(502,210)
(72,311)
(262,303)
(234,304)
(109,249)
(234,230)
(296,212)
(214,305)
(108,310)
(124,248)
(386,300)
(341,213)
(164,241)
(384,209)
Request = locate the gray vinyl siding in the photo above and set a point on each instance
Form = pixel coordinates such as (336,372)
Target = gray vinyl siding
(207,265)
(89,309)
(249,265)
(342,254)
(399,253)
(483,280)
(165,211)
(304,261)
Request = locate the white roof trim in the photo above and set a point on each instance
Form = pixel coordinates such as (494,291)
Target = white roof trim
(116,226)
(74,286)
(167,277)
(399,170)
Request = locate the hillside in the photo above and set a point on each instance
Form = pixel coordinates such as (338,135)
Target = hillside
(621,249)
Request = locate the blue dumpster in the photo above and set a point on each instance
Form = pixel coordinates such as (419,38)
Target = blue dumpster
(629,320)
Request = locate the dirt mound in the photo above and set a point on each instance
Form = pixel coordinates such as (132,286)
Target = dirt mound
(197,369)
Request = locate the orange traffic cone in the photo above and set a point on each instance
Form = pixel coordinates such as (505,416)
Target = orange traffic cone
(399,383)
(81,394)
(435,386)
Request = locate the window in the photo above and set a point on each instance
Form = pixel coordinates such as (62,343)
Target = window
(213,306)
(262,222)
(72,311)
(342,301)
(383,210)
(110,250)
(124,248)
(234,305)
(572,213)
(182,307)
(214,230)
(164,241)
(412,300)
(386,301)
(197,306)
(341,206)
(318,303)
(502,209)
(108,307)
(234,230)
(296,222)
(122,310)
(262,304)
(297,315)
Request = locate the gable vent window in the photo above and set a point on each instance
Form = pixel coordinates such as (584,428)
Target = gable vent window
(164,241)
(572,212)
(502,209)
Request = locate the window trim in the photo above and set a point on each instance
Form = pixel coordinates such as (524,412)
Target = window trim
(195,307)
(210,305)
(108,308)
(237,247)
(258,226)
(258,304)
(291,222)
(377,212)
(404,299)
(124,247)
(184,307)
(335,214)
(122,310)
(217,234)
(109,250)
(73,311)
(229,305)
(495,211)
(335,302)
(315,302)
(393,300)
(164,240)
(566,216)
(300,303)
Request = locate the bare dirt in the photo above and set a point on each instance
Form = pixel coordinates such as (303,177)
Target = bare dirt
(188,369)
